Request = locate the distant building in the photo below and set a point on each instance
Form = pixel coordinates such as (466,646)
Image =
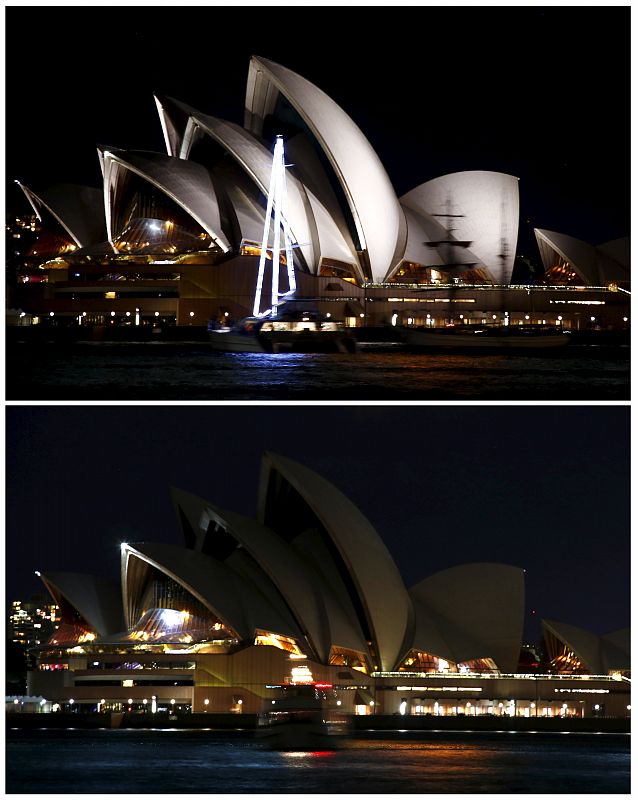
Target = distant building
(32,622)
(306,592)
(174,238)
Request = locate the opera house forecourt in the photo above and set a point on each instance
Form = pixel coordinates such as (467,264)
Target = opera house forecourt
(308,593)
(174,238)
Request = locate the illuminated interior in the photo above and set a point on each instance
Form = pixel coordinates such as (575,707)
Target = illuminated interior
(331,268)
(170,625)
(166,612)
(411,272)
(159,236)
(342,657)
(478,665)
(254,249)
(72,632)
(276,640)
(562,272)
(418,661)
(562,659)
(146,220)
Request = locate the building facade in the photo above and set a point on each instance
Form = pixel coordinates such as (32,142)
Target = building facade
(174,239)
(308,593)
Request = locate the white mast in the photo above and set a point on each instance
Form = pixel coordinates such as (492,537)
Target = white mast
(277,199)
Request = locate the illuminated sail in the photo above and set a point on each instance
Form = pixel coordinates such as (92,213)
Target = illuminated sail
(277,201)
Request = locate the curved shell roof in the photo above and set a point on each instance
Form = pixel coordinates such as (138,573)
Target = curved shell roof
(619,251)
(214,584)
(599,654)
(256,161)
(585,644)
(580,255)
(96,600)
(361,549)
(428,636)
(479,609)
(313,227)
(617,649)
(372,201)
(423,228)
(595,266)
(486,205)
(185,182)
(323,618)
(78,209)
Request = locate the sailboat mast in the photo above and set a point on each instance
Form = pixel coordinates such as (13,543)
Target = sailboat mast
(277,200)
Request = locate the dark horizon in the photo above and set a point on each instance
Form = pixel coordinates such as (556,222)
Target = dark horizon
(519,90)
(545,488)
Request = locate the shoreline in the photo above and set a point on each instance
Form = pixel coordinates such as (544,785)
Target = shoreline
(198,335)
(359,726)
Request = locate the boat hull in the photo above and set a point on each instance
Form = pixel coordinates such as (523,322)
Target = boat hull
(484,339)
(283,342)
(230,342)
(297,735)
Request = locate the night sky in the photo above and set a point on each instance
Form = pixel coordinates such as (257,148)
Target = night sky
(540,93)
(545,488)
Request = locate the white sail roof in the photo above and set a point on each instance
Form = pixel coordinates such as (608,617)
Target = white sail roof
(482,207)
(372,201)
(188,184)
(479,608)
(374,575)
(96,600)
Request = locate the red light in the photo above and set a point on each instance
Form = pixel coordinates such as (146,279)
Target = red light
(323,685)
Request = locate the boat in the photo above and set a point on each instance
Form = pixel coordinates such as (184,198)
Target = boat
(285,333)
(287,326)
(503,337)
(302,717)
(477,336)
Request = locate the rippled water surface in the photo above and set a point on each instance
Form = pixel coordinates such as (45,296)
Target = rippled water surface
(184,761)
(191,371)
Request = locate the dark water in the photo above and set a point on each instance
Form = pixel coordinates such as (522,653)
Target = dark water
(184,761)
(191,371)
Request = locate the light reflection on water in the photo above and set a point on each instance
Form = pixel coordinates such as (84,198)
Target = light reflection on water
(193,372)
(148,761)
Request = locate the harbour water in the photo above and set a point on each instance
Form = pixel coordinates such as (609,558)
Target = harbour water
(201,761)
(191,371)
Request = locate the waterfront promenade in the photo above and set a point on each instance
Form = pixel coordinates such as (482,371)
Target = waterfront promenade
(360,725)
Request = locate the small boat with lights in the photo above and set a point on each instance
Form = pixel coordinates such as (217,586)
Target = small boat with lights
(285,333)
(302,717)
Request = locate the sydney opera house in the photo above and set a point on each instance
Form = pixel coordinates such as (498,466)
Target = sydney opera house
(307,592)
(175,237)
